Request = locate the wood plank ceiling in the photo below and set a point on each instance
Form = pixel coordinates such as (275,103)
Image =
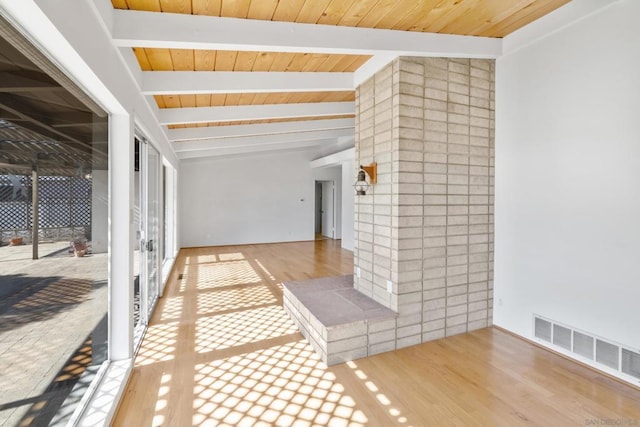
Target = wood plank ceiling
(486,18)
(489,18)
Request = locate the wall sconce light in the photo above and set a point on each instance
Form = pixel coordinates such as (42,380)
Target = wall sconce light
(362,185)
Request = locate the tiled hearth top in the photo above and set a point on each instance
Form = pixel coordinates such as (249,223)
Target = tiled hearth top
(334,301)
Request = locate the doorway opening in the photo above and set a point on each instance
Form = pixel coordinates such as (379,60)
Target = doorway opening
(325,216)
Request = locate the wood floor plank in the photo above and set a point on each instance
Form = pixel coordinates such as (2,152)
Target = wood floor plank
(220,350)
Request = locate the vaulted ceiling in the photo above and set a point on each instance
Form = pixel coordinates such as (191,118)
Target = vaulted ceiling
(232,76)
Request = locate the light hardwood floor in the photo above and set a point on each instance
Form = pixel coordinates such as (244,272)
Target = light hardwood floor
(221,351)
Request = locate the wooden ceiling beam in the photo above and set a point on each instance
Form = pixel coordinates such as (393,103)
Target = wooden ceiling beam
(369,68)
(182,31)
(248,141)
(212,82)
(326,144)
(213,132)
(168,116)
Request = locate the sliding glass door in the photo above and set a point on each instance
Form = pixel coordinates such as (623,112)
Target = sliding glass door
(54,226)
(149,230)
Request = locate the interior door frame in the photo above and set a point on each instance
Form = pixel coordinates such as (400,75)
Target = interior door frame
(317,207)
(331,204)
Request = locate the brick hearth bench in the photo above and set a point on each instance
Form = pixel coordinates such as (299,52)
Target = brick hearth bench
(338,321)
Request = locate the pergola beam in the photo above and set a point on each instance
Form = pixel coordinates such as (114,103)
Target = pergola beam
(31,121)
(72,117)
(12,83)
(4,164)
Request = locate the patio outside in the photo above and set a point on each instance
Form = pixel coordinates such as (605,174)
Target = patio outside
(52,331)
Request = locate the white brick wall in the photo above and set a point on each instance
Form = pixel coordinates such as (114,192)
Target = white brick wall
(428,225)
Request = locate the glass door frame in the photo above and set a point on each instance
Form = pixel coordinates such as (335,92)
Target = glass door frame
(150,232)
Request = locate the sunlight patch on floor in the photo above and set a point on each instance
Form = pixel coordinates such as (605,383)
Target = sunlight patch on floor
(228,273)
(282,385)
(242,327)
(159,344)
(172,308)
(236,298)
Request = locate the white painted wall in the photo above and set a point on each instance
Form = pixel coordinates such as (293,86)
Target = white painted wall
(348,202)
(257,198)
(567,209)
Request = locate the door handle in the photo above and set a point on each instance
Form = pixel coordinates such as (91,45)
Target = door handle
(150,246)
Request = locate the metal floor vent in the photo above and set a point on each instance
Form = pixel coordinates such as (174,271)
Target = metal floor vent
(631,363)
(588,346)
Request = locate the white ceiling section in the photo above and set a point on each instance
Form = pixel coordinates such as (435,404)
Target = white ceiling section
(138,29)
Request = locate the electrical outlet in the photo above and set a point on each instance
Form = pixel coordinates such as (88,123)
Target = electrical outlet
(389,286)
(358,271)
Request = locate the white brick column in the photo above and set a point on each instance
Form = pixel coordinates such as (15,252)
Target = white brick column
(427,226)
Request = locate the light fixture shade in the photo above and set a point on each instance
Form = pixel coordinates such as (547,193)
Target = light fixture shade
(361,185)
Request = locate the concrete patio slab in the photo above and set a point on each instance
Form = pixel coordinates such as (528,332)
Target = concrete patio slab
(48,309)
